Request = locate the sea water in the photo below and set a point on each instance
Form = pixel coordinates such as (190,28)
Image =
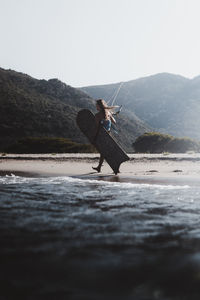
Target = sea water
(72,238)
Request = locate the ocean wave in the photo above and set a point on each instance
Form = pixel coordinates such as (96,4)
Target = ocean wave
(15,179)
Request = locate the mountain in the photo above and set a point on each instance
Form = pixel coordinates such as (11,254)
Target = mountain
(38,108)
(166,102)
(48,108)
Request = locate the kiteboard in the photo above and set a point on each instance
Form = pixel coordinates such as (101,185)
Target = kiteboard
(101,139)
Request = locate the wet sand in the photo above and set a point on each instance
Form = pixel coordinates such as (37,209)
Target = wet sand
(154,168)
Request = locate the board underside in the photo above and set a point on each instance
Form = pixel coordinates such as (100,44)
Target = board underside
(101,139)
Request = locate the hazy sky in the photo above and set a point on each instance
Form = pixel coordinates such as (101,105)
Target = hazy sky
(89,42)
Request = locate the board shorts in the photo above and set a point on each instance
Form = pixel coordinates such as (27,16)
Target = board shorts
(106,124)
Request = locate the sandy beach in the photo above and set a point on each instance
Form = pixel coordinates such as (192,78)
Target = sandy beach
(141,167)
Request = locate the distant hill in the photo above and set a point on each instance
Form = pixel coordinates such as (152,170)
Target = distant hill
(41,108)
(167,103)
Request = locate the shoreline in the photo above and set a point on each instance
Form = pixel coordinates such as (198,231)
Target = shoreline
(91,156)
(141,168)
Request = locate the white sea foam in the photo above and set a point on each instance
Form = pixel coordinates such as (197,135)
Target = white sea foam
(14,179)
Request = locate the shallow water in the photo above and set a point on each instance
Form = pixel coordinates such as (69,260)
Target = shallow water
(70,238)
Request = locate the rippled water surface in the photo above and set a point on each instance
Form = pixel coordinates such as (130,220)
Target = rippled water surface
(70,238)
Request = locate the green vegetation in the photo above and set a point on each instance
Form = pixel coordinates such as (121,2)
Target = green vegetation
(166,102)
(38,108)
(48,145)
(41,108)
(155,142)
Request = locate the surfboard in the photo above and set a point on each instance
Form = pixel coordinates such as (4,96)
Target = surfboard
(101,139)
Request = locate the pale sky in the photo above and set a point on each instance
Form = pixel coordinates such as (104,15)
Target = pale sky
(94,42)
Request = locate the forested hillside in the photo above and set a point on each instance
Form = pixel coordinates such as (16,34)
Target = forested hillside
(31,107)
(41,108)
(166,102)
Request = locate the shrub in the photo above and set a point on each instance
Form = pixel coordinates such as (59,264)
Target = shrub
(48,145)
(155,142)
